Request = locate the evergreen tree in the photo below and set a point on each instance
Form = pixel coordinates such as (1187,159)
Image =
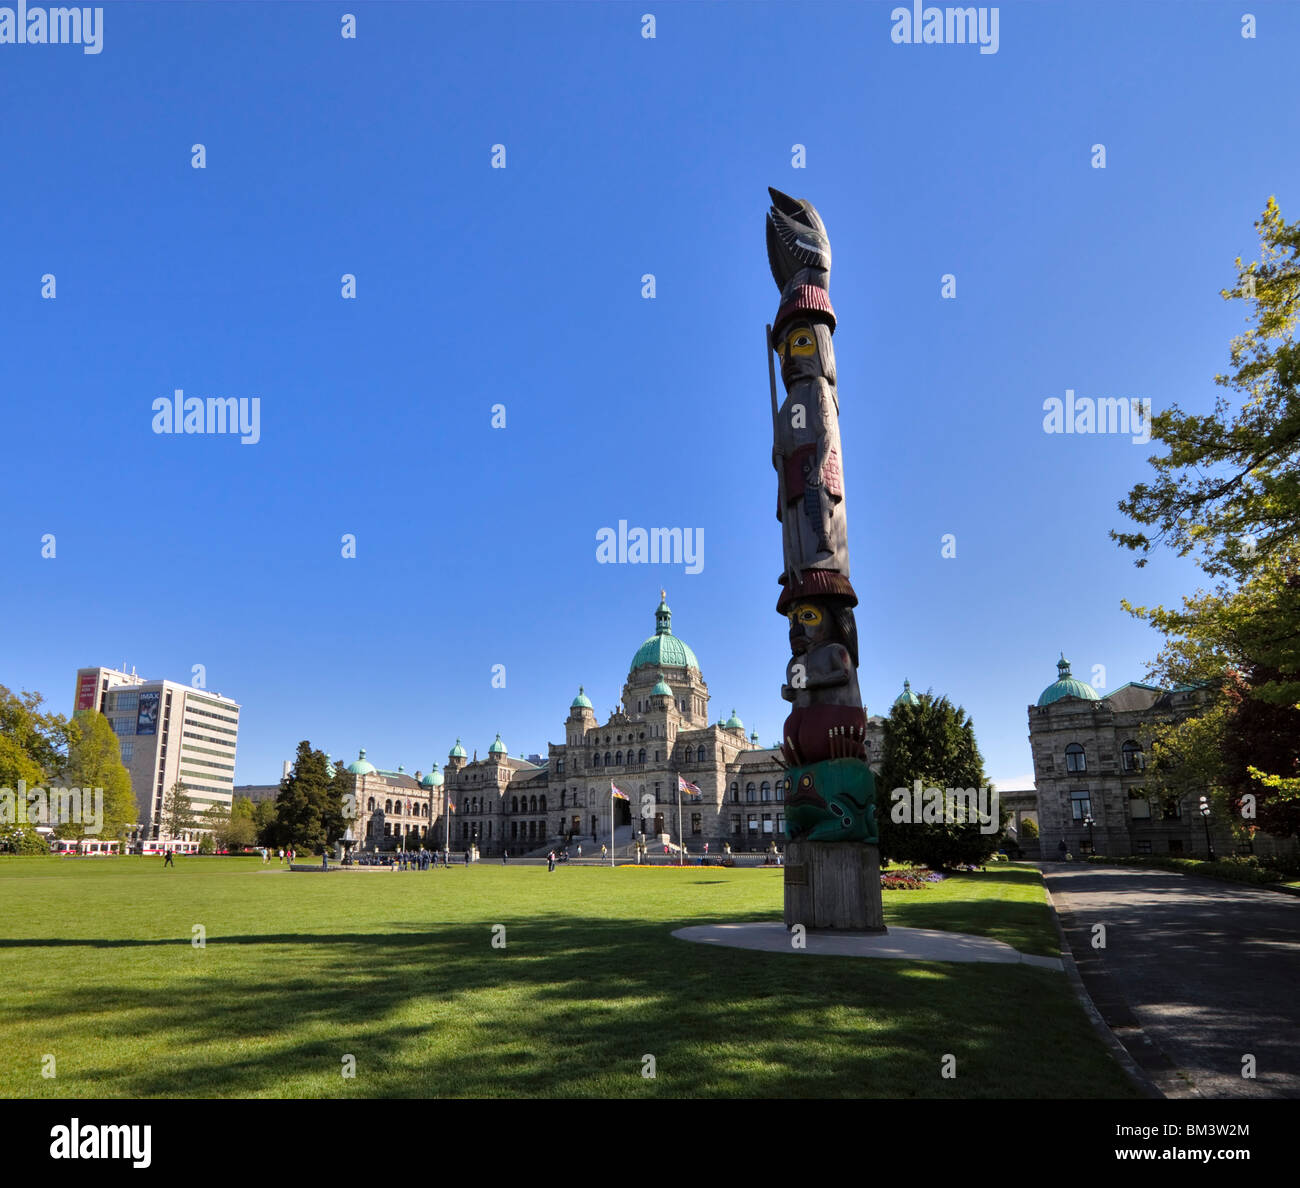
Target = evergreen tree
(178,814)
(934,742)
(309,808)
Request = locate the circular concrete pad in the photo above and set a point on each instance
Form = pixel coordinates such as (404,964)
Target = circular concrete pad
(898,944)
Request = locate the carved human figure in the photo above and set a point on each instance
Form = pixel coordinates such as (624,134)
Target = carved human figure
(822,682)
(806,451)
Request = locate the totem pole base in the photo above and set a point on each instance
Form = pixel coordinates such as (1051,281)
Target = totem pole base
(833,885)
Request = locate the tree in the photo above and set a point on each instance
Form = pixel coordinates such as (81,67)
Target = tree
(1227,491)
(934,742)
(177,811)
(33,749)
(1029,829)
(267,824)
(95,762)
(309,809)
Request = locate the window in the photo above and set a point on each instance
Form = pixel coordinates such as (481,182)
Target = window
(699,755)
(780,823)
(618,759)
(766,792)
(388,806)
(1075,759)
(735,824)
(753,823)
(127,750)
(542,802)
(735,793)
(1173,811)
(749,792)
(1080,806)
(606,758)
(559,767)
(514,830)
(767,823)
(1132,757)
(561,797)
(370,805)
(1142,846)
(641,756)
(697,822)
(780,790)
(595,759)
(514,804)
(1139,808)
(532,804)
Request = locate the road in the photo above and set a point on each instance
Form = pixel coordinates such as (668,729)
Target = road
(1195,975)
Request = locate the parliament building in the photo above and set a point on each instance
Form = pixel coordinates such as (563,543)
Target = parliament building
(660,730)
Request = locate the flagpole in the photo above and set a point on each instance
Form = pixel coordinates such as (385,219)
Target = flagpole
(611,823)
(446,835)
(681,835)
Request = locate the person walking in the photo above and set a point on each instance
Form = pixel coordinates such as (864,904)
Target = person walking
(603,853)
(167,858)
(505,857)
(550,861)
(1062,849)
(281,853)
(580,849)
(467,860)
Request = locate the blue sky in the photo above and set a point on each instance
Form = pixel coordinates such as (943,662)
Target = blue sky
(522,287)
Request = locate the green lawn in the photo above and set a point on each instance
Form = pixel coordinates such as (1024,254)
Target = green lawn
(398,971)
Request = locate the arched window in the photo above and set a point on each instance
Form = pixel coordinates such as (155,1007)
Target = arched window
(780,789)
(595,759)
(699,755)
(735,793)
(606,758)
(388,806)
(514,804)
(1132,756)
(641,755)
(1075,759)
(541,803)
(749,792)
(489,830)
(370,805)
(618,759)
(532,804)
(766,791)
(561,797)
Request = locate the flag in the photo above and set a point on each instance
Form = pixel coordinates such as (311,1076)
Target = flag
(689,790)
(616,792)
(451,807)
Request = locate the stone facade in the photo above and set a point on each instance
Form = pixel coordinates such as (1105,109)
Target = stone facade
(1088,761)
(661,729)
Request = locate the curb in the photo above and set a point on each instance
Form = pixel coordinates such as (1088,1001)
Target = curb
(1117,1049)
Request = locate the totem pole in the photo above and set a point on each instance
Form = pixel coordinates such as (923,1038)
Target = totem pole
(832,795)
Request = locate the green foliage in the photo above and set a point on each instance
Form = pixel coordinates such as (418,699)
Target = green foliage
(177,811)
(934,742)
(33,745)
(207,845)
(309,808)
(266,824)
(95,761)
(1029,828)
(22,839)
(1227,491)
(1245,868)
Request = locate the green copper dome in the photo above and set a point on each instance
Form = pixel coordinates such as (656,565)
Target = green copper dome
(1066,686)
(498,747)
(661,689)
(432,779)
(733,723)
(907,697)
(457,752)
(582,701)
(663,649)
(360,766)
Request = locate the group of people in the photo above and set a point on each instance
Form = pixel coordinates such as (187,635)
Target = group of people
(265,851)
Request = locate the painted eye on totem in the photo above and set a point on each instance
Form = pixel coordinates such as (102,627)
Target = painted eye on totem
(803,343)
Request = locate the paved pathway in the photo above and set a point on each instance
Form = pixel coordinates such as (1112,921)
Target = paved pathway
(1195,975)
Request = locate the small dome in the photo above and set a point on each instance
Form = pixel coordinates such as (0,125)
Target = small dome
(661,689)
(582,701)
(433,779)
(754,737)
(734,723)
(907,697)
(498,747)
(457,752)
(360,766)
(1066,686)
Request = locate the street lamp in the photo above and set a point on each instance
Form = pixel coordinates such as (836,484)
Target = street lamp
(1205,816)
(1089,822)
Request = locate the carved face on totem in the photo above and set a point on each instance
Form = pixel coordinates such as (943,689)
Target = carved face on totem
(796,346)
(810,625)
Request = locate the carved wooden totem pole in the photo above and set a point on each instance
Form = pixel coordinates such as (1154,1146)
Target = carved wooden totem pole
(832,870)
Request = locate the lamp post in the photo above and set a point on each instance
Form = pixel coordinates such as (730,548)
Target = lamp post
(1089,822)
(1205,816)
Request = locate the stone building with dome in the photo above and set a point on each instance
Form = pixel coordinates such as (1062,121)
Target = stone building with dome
(1089,762)
(660,729)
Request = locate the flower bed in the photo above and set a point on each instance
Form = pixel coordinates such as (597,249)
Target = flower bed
(911,879)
